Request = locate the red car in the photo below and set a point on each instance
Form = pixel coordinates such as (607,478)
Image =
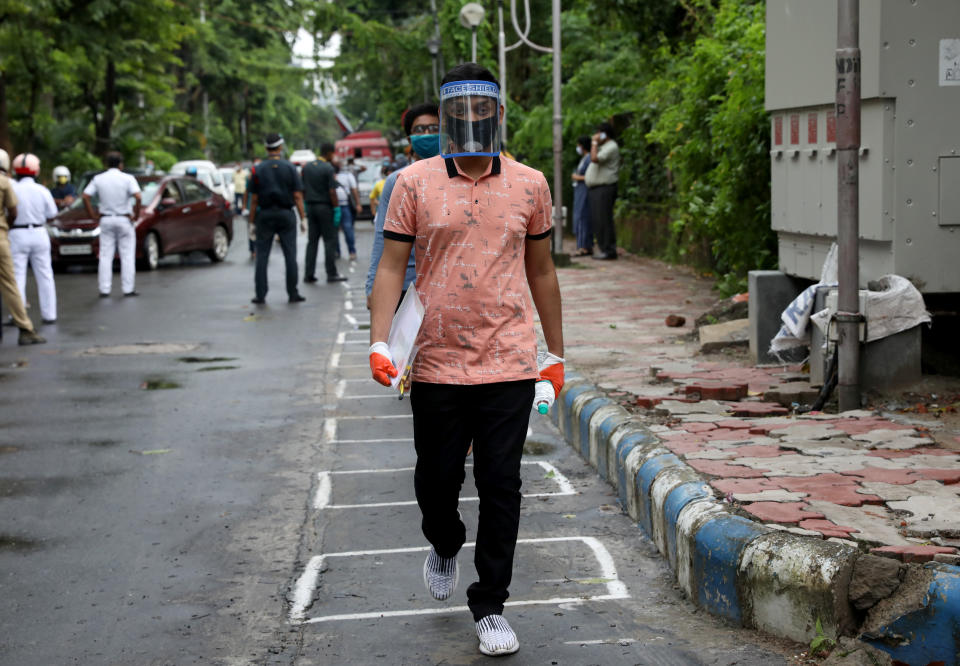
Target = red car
(178,214)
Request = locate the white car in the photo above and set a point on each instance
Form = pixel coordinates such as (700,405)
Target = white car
(302,156)
(207,173)
(227,173)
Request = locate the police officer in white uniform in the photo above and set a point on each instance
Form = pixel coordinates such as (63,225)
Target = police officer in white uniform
(29,239)
(119,209)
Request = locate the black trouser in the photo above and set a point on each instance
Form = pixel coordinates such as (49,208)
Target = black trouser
(446,419)
(283,223)
(320,224)
(601,199)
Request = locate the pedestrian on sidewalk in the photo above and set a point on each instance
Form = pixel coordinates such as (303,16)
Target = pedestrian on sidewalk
(582,229)
(421,124)
(275,189)
(479,225)
(117,216)
(9,291)
(320,192)
(29,239)
(601,178)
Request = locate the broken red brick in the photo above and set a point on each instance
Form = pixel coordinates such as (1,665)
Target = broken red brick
(757,409)
(725,470)
(827,528)
(675,321)
(782,512)
(910,554)
(648,402)
(716,390)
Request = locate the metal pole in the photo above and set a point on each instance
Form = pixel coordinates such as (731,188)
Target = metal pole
(557,136)
(848,203)
(502,63)
(473,44)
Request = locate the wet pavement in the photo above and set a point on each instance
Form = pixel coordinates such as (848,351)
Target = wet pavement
(187,479)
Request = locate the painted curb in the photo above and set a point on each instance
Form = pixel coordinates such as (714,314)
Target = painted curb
(731,566)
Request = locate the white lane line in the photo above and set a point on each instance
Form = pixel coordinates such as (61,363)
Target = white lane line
(604,641)
(365,341)
(345,285)
(329,430)
(348,305)
(366,397)
(372,441)
(307,583)
(335,359)
(341,337)
(340,390)
(322,499)
(350,319)
(375,417)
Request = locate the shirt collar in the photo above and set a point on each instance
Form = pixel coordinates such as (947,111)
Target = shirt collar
(492,170)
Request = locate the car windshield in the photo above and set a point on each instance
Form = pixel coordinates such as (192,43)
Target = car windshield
(147,191)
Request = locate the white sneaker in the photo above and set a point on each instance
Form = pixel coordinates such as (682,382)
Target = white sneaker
(440,575)
(496,636)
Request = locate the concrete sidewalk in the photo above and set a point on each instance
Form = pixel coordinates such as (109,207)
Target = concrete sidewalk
(773,520)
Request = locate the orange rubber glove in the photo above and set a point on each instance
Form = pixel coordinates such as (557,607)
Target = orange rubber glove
(381,363)
(551,370)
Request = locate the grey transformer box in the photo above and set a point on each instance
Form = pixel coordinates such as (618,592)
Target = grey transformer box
(910,137)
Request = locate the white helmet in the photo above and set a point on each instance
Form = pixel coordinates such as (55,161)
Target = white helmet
(4,160)
(26,164)
(61,171)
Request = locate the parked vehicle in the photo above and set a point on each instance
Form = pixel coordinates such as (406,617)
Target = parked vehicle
(369,143)
(178,214)
(227,173)
(365,182)
(206,172)
(302,156)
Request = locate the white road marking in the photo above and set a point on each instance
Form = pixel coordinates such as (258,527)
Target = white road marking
(329,430)
(604,641)
(350,319)
(372,441)
(340,390)
(355,366)
(321,500)
(366,397)
(335,359)
(307,583)
(341,337)
(375,417)
(348,305)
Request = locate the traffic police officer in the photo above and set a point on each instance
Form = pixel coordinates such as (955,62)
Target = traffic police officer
(29,239)
(275,188)
(63,191)
(8,285)
(119,210)
(320,191)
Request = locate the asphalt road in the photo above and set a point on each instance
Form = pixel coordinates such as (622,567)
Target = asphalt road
(185,478)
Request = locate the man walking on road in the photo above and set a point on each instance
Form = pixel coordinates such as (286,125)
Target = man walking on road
(8,285)
(320,193)
(479,224)
(117,212)
(275,189)
(29,239)
(422,126)
(601,179)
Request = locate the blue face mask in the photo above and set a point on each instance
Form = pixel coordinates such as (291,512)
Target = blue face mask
(425,145)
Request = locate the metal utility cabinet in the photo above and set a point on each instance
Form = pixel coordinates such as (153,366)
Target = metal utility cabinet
(910,138)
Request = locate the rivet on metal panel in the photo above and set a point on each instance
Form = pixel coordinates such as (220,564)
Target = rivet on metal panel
(933,214)
(933,168)
(911,83)
(909,202)
(886,45)
(909,162)
(913,42)
(910,122)
(909,241)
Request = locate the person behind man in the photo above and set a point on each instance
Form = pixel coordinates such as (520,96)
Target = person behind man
(117,213)
(9,291)
(251,230)
(421,124)
(377,190)
(601,179)
(239,188)
(348,197)
(320,193)
(582,228)
(29,239)
(480,227)
(275,189)
(63,191)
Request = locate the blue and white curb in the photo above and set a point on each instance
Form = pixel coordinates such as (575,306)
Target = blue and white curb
(734,567)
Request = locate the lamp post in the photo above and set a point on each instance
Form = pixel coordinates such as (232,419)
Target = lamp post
(471,16)
(433,45)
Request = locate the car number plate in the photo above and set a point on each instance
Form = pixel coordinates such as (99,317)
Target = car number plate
(84,248)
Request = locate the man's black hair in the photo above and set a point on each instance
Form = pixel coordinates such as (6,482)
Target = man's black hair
(424,109)
(114,159)
(607,128)
(326,148)
(468,71)
(584,142)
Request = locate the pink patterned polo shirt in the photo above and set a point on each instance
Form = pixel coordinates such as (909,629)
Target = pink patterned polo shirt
(469,238)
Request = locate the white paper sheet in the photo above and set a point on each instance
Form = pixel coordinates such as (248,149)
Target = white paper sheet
(403,333)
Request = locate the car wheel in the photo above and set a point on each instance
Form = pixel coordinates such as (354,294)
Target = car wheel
(221,244)
(151,252)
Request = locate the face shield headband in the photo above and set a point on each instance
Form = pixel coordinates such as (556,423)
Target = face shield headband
(469,119)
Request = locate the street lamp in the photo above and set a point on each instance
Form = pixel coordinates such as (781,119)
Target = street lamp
(433,45)
(471,16)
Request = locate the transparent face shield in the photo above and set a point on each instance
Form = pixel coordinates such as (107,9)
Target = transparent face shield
(469,119)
